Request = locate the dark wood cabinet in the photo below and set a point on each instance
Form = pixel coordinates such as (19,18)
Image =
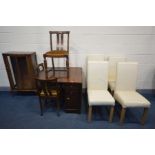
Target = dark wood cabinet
(72,97)
(20,67)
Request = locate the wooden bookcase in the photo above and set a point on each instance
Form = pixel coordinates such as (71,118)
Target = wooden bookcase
(20,67)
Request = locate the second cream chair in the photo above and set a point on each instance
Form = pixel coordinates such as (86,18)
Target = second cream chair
(125,91)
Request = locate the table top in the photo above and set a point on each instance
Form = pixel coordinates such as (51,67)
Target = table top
(75,75)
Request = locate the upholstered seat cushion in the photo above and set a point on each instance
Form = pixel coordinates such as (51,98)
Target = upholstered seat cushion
(56,53)
(131,99)
(53,93)
(111,85)
(100,97)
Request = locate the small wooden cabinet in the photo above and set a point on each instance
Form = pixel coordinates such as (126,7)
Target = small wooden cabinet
(20,67)
(72,97)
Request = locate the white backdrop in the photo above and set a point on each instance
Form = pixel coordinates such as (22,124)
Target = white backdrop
(135,43)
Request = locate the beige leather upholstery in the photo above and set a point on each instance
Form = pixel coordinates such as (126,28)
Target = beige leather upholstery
(95,57)
(112,67)
(125,90)
(97,75)
(112,71)
(100,97)
(97,83)
(131,99)
(111,85)
(126,76)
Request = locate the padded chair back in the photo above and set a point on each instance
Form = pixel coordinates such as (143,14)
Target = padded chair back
(95,57)
(126,76)
(97,75)
(112,67)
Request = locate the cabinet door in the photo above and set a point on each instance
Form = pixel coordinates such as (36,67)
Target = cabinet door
(72,97)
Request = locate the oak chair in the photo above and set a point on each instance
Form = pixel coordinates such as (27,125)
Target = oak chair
(125,90)
(97,85)
(59,44)
(48,89)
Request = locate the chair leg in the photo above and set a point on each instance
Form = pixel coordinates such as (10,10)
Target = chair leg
(53,66)
(67,66)
(58,107)
(123,111)
(89,113)
(45,66)
(144,116)
(41,106)
(112,92)
(111,114)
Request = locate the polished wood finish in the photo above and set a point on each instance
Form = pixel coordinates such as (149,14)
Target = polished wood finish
(71,86)
(20,67)
(89,113)
(59,51)
(123,111)
(111,114)
(144,116)
(60,35)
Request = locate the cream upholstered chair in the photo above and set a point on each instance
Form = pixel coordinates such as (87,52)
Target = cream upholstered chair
(112,71)
(97,85)
(125,90)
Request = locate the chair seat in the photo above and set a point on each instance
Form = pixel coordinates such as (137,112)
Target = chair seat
(131,99)
(53,93)
(112,85)
(100,97)
(57,53)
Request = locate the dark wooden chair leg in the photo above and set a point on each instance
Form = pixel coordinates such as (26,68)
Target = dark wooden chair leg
(123,111)
(111,114)
(41,106)
(67,66)
(89,113)
(53,66)
(144,116)
(58,108)
(112,92)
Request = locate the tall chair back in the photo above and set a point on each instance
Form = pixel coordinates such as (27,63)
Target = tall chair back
(60,41)
(97,75)
(112,67)
(95,57)
(126,76)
